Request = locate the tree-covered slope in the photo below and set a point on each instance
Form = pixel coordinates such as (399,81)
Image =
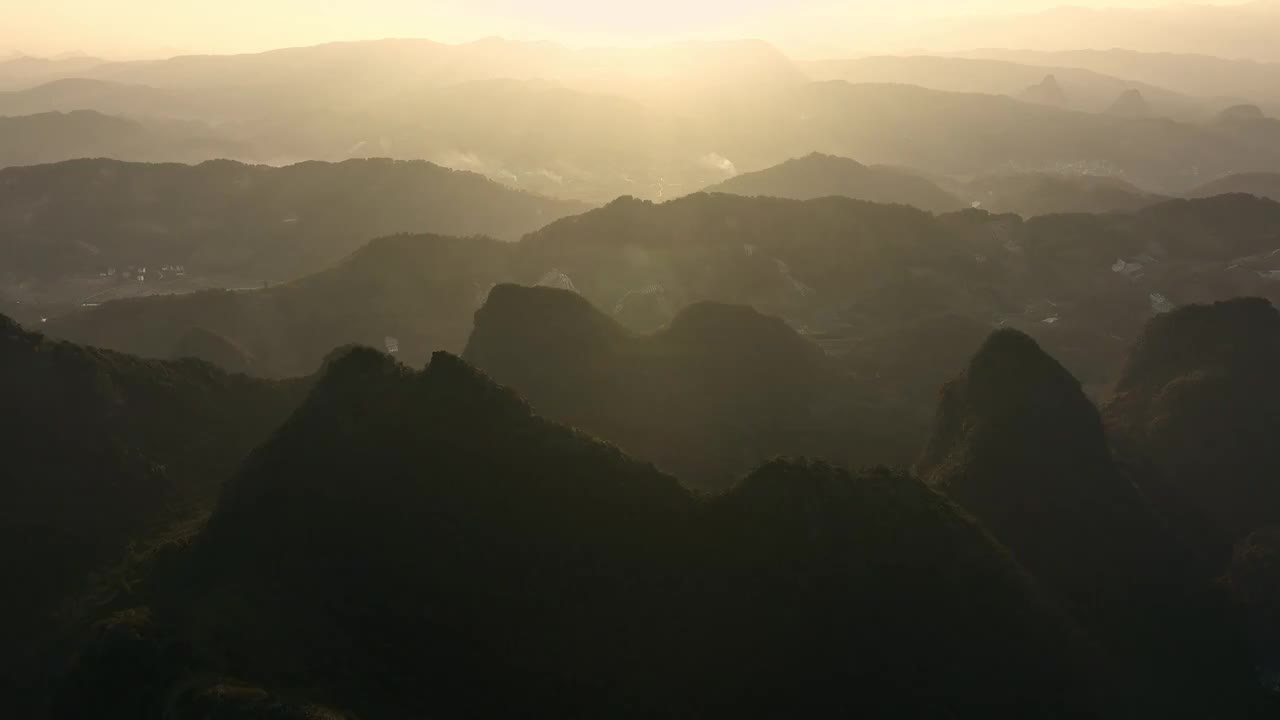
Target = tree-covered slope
(416,543)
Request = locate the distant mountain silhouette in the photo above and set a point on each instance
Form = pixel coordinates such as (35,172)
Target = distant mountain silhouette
(817,175)
(1046,92)
(901,125)
(372,66)
(1041,81)
(1198,401)
(1249,125)
(248,223)
(650,122)
(1019,445)
(215,349)
(1029,194)
(1240,113)
(377,538)
(55,136)
(23,71)
(111,98)
(1207,76)
(1131,104)
(1265,185)
(418,290)
(100,450)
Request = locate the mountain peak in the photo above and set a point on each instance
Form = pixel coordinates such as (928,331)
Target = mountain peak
(520,303)
(538,321)
(1237,113)
(1046,92)
(449,378)
(1019,445)
(819,175)
(822,158)
(725,320)
(1011,373)
(808,488)
(9,328)
(1131,104)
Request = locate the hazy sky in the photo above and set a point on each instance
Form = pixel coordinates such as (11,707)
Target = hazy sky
(151,27)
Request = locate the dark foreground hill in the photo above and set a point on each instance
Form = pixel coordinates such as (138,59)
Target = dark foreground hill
(1019,445)
(1254,578)
(719,390)
(1197,412)
(237,222)
(419,543)
(1199,406)
(102,449)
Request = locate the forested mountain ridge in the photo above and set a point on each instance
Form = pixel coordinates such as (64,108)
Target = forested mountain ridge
(1261,184)
(1023,193)
(52,137)
(416,291)
(250,223)
(816,176)
(331,495)
(846,273)
(102,450)
(716,392)
(1019,445)
(623,566)
(1197,405)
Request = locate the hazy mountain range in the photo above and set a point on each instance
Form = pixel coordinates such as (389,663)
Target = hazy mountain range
(400,379)
(842,271)
(653,123)
(254,222)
